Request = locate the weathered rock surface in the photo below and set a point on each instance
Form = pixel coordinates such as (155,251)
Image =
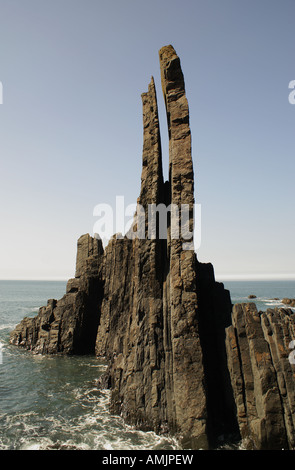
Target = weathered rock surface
(262,376)
(146,303)
(68,325)
(149,328)
(179,362)
(289,302)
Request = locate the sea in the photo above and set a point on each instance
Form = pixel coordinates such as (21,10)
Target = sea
(54,403)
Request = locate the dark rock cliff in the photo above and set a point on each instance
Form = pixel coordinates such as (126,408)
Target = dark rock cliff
(177,361)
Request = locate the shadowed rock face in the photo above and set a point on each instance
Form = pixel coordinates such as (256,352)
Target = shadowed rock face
(178,362)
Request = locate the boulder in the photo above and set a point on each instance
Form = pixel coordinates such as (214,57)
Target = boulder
(289,302)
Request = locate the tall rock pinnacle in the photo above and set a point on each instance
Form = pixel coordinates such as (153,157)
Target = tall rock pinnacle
(161,379)
(152,172)
(181,282)
(180,160)
(155,313)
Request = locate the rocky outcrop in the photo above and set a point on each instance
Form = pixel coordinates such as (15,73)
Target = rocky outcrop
(68,325)
(289,302)
(263,375)
(149,328)
(146,303)
(178,361)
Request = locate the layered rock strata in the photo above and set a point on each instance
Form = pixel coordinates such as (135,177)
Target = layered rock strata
(263,375)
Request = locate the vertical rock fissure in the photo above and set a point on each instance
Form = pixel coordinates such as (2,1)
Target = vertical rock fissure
(275,324)
(214,310)
(262,419)
(280,395)
(242,375)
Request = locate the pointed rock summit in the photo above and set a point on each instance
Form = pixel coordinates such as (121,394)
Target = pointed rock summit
(177,363)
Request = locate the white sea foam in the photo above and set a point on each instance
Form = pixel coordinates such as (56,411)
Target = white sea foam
(7,326)
(96,429)
(30,446)
(274,303)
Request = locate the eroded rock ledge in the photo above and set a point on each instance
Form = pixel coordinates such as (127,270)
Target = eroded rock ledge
(177,362)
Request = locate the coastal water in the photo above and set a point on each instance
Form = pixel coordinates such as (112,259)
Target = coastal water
(268,293)
(54,402)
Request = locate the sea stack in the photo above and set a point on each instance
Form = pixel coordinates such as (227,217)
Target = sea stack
(178,361)
(144,297)
(149,327)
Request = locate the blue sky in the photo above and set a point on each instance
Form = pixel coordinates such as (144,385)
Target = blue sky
(71,125)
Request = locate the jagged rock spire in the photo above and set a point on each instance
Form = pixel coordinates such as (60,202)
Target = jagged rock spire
(152,173)
(184,331)
(180,159)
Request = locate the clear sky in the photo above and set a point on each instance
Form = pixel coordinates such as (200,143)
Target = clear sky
(71,125)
